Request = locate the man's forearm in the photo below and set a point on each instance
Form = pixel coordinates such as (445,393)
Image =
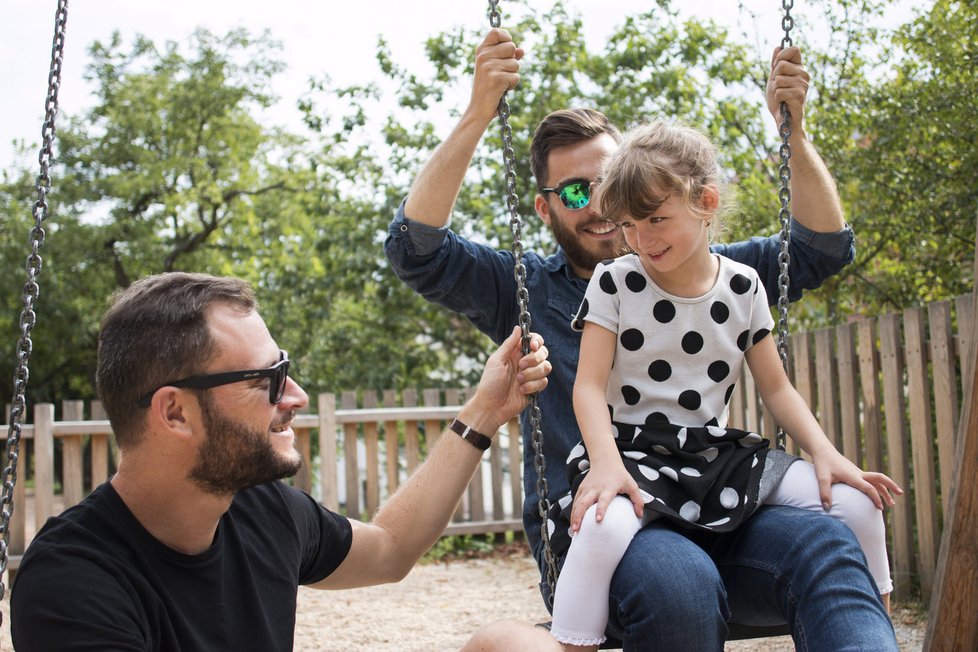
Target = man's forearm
(436,188)
(814,196)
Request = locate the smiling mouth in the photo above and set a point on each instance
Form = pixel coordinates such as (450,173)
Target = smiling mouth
(599,228)
(284,425)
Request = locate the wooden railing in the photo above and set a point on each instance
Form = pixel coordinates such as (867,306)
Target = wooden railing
(886,390)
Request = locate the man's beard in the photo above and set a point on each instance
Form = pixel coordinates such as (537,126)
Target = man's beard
(235,456)
(579,255)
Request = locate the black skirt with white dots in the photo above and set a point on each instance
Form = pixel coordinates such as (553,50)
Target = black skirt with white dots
(698,477)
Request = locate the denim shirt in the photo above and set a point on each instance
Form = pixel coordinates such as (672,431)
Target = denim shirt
(477,281)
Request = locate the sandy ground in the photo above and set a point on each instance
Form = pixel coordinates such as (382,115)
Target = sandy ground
(439,605)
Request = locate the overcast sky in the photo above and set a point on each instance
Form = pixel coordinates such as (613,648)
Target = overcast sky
(334,38)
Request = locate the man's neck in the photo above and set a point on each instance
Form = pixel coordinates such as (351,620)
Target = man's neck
(173,510)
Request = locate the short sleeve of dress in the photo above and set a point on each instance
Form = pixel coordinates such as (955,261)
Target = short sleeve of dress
(761,321)
(601,300)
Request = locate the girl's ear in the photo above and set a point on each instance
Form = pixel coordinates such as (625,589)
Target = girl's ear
(710,198)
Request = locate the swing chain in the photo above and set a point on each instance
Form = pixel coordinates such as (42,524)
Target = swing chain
(784,214)
(495,19)
(523,300)
(31,290)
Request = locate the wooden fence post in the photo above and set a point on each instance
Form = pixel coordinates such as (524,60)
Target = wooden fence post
(348,401)
(412,445)
(72,484)
(516,455)
(43,463)
(826,376)
(901,525)
(945,391)
(848,394)
(804,376)
(922,448)
(869,379)
(327,451)
(951,622)
(371,442)
(100,445)
(391,447)
(18,519)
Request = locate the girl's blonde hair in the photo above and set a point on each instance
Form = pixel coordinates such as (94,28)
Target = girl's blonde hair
(654,162)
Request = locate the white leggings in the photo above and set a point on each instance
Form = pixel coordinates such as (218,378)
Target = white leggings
(580,612)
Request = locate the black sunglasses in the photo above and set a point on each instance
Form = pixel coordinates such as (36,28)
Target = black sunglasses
(277,373)
(574,194)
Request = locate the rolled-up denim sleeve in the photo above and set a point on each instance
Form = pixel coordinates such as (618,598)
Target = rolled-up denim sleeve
(813,258)
(465,277)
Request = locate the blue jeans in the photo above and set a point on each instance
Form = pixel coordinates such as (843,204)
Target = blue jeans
(676,590)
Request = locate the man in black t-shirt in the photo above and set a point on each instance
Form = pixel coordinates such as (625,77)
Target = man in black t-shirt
(194,544)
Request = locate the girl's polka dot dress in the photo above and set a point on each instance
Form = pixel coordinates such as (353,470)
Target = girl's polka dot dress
(676,365)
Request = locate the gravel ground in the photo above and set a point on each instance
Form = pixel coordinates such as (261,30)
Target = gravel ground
(440,604)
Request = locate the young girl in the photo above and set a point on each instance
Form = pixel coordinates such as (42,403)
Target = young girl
(666,329)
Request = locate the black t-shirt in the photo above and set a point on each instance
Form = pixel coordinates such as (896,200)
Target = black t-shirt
(95,579)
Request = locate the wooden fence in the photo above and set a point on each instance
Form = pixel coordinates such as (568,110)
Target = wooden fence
(886,390)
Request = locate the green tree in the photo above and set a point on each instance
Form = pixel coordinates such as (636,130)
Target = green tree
(899,126)
(654,63)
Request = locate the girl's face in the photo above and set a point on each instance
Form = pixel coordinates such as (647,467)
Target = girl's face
(673,242)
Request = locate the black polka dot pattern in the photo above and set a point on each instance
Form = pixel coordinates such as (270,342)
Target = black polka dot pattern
(630,395)
(718,371)
(740,284)
(635,282)
(676,365)
(760,335)
(719,312)
(660,371)
(692,343)
(742,340)
(676,359)
(632,339)
(690,399)
(664,312)
(656,417)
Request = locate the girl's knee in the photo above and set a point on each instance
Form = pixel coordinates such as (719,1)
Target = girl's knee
(853,507)
(615,529)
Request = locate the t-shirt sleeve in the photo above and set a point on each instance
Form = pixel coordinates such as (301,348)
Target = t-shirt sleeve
(761,320)
(325,537)
(601,301)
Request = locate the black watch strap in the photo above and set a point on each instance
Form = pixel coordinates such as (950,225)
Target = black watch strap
(474,437)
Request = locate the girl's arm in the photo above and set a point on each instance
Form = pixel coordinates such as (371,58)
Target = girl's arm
(607,477)
(791,412)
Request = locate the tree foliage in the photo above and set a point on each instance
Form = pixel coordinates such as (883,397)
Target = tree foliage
(175,168)
(900,131)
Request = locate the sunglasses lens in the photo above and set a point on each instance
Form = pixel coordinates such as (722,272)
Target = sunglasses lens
(575,195)
(279,381)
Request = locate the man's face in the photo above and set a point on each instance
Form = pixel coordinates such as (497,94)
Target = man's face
(236,455)
(245,439)
(585,238)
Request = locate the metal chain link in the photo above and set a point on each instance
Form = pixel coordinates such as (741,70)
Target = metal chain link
(784,215)
(31,288)
(523,299)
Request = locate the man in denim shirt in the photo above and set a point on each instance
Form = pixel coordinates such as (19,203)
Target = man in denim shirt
(674,589)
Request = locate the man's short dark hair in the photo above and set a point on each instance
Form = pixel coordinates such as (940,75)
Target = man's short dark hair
(566,127)
(154,332)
